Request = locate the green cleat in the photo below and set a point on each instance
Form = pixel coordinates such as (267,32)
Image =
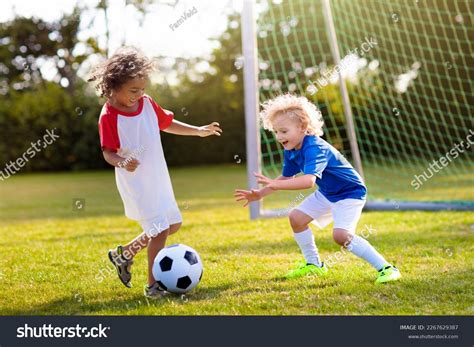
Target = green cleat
(387,274)
(307,269)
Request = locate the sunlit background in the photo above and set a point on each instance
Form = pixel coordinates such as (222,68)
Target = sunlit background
(409,90)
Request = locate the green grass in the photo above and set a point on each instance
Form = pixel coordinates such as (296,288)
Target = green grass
(51,256)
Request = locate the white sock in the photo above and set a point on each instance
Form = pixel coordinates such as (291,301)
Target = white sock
(363,249)
(305,241)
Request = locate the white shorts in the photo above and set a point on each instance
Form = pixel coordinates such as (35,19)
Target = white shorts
(345,213)
(154,226)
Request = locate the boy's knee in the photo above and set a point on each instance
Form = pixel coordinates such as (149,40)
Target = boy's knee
(174,228)
(153,237)
(296,220)
(341,237)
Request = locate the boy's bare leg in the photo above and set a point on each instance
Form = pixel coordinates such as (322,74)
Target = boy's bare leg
(122,257)
(142,240)
(155,244)
(174,228)
(136,245)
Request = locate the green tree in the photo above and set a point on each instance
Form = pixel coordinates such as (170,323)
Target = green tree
(200,98)
(26,43)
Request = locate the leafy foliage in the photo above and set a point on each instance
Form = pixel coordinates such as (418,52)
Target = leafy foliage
(30,104)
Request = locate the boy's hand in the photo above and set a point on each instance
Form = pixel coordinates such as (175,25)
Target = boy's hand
(211,129)
(267,182)
(130,164)
(249,195)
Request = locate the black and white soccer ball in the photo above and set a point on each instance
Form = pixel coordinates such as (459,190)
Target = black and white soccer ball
(177,268)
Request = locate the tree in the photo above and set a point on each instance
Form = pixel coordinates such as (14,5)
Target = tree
(27,43)
(200,98)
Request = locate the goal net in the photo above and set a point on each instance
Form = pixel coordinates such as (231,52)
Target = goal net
(406,66)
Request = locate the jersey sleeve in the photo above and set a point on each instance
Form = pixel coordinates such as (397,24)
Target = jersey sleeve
(289,167)
(165,117)
(315,161)
(108,133)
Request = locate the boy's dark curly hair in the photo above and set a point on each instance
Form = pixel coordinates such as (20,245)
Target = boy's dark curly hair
(126,63)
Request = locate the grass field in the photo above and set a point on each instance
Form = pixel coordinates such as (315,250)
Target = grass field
(53,258)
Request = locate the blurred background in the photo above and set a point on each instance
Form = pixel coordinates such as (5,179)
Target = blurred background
(48,48)
(410,91)
(408,69)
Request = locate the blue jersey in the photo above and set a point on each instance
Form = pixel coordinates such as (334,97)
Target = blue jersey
(335,177)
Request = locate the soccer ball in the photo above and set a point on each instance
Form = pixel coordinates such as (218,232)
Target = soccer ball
(177,268)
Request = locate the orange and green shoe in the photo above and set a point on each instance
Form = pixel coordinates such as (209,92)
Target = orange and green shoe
(387,274)
(306,270)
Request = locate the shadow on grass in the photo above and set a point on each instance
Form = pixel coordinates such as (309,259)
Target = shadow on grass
(70,305)
(437,290)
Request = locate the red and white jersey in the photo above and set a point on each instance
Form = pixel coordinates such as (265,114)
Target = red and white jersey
(147,192)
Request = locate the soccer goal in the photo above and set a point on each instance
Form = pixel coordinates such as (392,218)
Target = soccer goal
(393,81)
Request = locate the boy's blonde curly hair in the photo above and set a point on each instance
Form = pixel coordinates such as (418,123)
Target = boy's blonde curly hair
(296,107)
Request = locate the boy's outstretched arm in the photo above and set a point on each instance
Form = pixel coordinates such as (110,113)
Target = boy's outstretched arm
(180,128)
(295,183)
(255,194)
